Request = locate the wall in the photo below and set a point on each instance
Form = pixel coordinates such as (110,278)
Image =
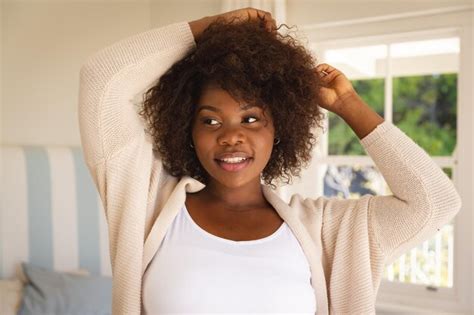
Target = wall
(164,12)
(44,46)
(1,71)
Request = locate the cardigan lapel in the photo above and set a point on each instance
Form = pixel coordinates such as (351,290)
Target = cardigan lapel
(166,217)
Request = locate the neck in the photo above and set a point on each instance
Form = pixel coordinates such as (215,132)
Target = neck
(236,199)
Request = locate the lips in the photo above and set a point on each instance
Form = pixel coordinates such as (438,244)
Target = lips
(226,155)
(234,167)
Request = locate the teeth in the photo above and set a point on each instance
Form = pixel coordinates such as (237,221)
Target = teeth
(233,160)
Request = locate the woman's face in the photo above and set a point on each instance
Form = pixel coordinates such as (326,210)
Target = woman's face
(223,128)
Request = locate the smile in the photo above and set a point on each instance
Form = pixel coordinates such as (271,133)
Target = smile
(234,167)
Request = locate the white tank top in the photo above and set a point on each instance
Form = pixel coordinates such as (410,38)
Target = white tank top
(195,271)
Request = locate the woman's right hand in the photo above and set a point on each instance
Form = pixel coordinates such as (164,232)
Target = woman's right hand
(198,26)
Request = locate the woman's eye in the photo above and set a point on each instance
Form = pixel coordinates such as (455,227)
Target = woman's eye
(251,117)
(207,120)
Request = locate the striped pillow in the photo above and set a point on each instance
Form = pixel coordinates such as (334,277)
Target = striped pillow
(51,214)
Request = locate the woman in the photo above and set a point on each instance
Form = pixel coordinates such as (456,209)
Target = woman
(229,103)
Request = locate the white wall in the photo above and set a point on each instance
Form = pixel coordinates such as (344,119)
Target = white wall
(45,42)
(44,45)
(1,70)
(164,12)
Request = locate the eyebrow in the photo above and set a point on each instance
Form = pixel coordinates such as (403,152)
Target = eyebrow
(217,110)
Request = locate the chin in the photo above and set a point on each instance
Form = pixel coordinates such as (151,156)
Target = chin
(230,183)
(234,182)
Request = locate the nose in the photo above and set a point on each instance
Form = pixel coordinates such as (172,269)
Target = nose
(231,136)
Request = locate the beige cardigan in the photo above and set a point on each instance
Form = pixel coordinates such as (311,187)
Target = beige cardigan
(347,242)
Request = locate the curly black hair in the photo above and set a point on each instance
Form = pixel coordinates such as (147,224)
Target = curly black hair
(254,66)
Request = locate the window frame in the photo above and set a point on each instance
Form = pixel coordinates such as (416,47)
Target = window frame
(406,28)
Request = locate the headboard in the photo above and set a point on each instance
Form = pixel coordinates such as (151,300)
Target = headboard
(50,212)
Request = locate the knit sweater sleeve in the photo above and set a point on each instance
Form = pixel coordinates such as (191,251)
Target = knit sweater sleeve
(117,149)
(424,198)
(112,82)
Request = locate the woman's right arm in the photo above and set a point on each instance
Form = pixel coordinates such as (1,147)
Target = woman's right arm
(115,78)
(117,150)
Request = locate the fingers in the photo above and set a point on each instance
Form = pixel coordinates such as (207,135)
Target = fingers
(325,71)
(324,67)
(270,22)
(252,13)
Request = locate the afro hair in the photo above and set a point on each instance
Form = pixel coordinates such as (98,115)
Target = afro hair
(254,66)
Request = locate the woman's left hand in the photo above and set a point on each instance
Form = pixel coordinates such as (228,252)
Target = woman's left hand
(334,89)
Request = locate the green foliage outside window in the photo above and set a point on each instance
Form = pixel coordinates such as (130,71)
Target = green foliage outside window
(424,107)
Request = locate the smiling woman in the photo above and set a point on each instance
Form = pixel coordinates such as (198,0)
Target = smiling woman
(191,226)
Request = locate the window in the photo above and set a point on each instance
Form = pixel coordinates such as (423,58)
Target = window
(438,276)
(414,80)
(414,85)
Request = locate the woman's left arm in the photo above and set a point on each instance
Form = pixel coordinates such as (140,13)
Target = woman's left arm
(336,94)
(424,198)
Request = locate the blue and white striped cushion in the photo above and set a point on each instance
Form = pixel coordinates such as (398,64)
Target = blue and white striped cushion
(51,214)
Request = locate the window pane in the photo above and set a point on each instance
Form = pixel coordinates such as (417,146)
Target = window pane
(359,63)
(354,181)
(424,107)
(342,139)
(448,171)
(365,67)
(429,264)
